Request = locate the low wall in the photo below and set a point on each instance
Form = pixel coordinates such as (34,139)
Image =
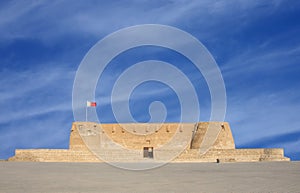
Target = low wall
(53,155)
(234,155)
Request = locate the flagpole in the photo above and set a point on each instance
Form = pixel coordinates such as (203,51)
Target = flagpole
(89,104)
(86,112)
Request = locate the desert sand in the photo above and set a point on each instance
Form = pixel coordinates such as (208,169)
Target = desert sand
(173,177)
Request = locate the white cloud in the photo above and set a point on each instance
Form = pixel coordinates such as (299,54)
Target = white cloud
(257,60)
(35,92)
(252,114)
(262,115)
(45,21)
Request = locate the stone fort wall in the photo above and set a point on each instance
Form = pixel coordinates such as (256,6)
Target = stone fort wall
(207,142)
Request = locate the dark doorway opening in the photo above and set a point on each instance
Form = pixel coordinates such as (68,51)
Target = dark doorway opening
(148,152)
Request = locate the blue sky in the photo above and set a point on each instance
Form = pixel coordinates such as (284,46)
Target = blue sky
(255,43)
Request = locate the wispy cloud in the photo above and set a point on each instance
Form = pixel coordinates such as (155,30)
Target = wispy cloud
(35,92)
(290,141)
(262,60)
(263,114)
(255,43)
(36,109)
(275,140)
(46,21)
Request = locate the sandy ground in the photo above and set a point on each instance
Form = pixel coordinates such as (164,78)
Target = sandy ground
(176,177)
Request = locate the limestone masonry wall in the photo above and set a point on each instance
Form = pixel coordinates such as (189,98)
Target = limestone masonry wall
(202,142)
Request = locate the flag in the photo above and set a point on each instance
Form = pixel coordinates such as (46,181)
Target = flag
(91,104)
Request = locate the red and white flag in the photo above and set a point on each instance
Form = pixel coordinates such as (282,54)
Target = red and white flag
(91,104)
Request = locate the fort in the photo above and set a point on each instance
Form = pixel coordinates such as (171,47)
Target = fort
(207,142)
